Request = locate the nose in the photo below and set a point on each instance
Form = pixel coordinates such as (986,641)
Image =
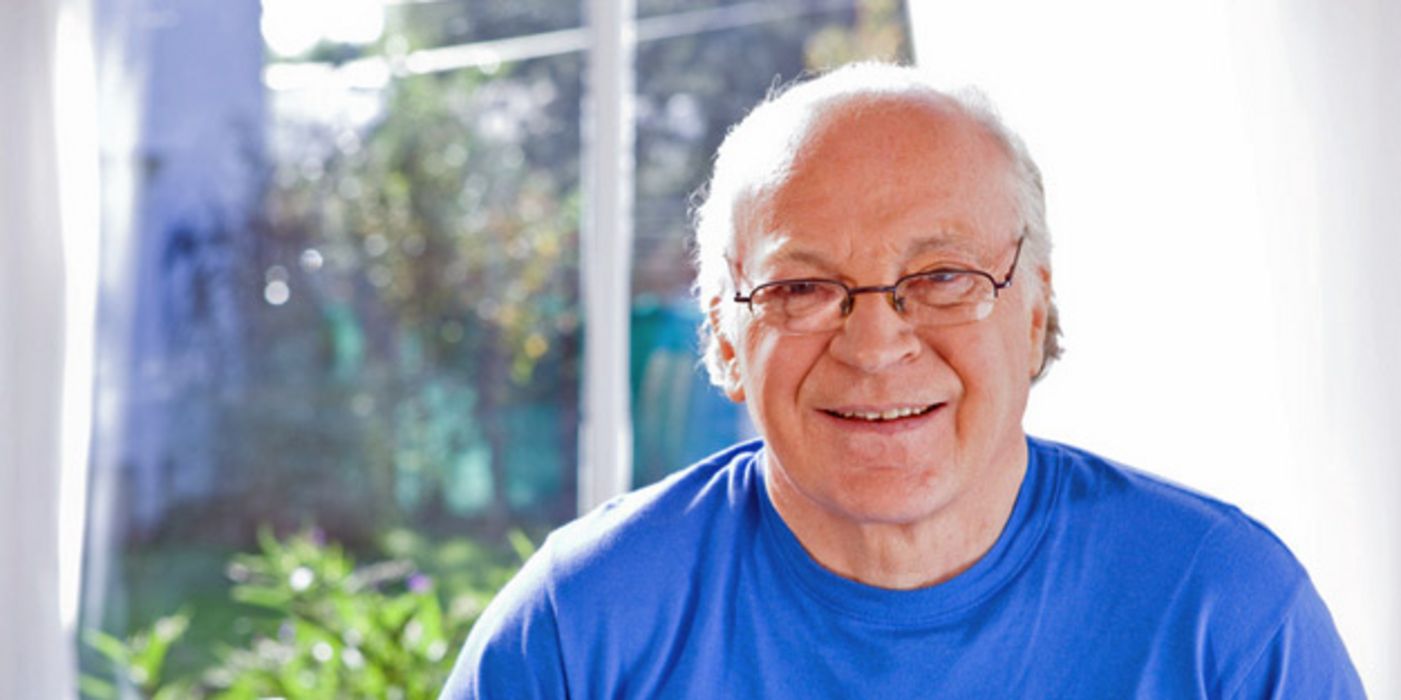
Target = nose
(874,335)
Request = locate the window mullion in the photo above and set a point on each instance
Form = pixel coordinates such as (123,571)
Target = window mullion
(605,465)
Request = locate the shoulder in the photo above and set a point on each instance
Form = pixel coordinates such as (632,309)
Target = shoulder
(1093,479)
(567,614)
(652,526)
(1200,570)
(1113,502)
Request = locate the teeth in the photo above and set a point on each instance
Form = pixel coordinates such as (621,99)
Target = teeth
(891,414)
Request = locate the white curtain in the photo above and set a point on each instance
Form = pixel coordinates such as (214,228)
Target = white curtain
(47,296)
(1223,187)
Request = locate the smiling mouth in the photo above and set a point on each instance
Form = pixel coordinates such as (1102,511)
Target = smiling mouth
(884,416)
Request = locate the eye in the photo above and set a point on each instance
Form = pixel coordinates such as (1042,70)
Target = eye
(940,277)
(799,297)
(944,287)
(797,288)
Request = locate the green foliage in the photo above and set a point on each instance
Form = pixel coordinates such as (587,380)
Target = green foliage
(440,305)
(330,628)
(445,218)
(879,34)
(141,658)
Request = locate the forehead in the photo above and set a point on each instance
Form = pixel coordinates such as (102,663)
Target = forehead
(891,179)
(821,253)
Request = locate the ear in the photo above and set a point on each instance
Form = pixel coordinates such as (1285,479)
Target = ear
(729,359)
(1040,311)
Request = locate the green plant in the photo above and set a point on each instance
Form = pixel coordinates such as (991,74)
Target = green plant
(319,626)
(140,659)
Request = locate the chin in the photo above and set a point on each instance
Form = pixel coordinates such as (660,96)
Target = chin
(872,499)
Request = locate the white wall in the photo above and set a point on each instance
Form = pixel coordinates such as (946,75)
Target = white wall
(1224,193)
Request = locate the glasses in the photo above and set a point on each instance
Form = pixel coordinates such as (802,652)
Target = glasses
(942,297)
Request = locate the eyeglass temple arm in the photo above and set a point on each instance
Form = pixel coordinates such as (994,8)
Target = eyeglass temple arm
(1016,257)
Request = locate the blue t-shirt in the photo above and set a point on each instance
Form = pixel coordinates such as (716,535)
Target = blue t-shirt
(1105,583)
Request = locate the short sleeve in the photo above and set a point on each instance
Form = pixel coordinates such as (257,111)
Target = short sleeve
(513,651)
(1305,658)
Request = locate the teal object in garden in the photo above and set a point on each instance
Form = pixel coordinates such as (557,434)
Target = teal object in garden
(678,417)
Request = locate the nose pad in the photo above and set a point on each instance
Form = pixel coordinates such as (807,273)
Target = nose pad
(895,301)
(873,340)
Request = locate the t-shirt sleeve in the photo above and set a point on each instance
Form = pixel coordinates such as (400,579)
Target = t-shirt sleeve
(1270,634)
(1305,658)
(513,651)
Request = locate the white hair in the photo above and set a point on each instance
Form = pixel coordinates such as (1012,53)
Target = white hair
(758,152)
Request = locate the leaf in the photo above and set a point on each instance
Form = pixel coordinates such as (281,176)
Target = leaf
(150,657)
(115,650)
(262,597)
(183,690)
(429,616)
(272,549)
(93,687)
(521,544)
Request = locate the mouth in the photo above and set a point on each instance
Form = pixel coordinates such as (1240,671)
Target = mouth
(888,415)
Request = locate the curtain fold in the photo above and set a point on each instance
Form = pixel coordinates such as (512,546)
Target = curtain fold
(37,318)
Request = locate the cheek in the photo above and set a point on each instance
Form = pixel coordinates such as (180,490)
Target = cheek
(990,368)
(775,366)
(1007,374)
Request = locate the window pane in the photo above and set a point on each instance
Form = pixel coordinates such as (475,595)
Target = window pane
(345,302)
(709,65)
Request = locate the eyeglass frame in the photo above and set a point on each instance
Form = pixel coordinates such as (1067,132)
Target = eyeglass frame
(897,303)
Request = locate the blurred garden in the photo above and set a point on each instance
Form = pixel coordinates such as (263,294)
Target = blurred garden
(357,393)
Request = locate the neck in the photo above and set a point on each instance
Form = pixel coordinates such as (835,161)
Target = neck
(907,555)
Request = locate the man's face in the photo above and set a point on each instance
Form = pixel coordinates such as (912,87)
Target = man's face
(896,188)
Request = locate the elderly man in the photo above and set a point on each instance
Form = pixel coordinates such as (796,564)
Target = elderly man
(873,262)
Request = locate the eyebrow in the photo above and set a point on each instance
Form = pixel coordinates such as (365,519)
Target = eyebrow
(921,246)
(806,257)
(934,244)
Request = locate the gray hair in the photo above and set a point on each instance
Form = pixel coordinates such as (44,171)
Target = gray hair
(758,152)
